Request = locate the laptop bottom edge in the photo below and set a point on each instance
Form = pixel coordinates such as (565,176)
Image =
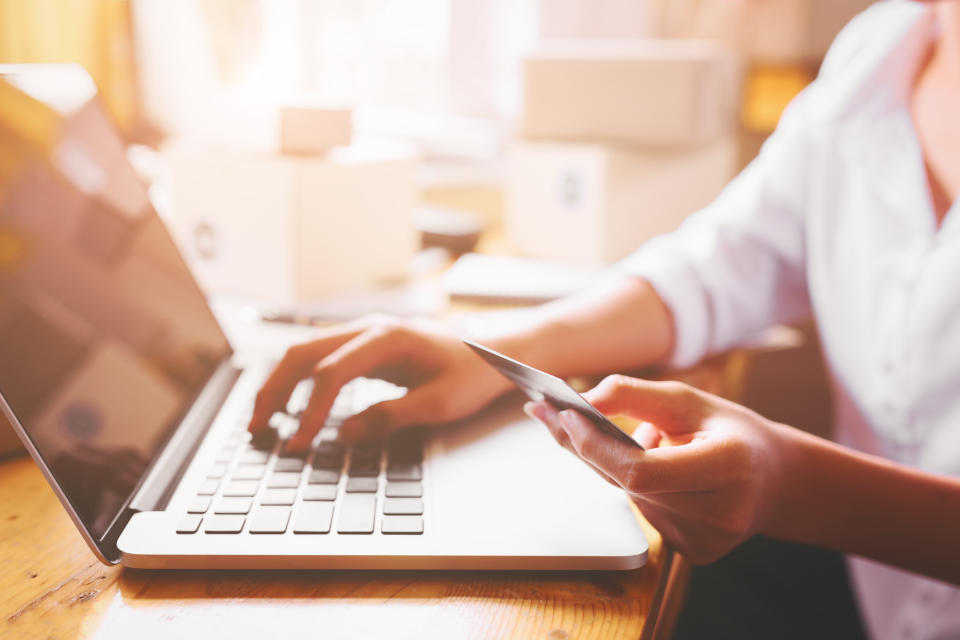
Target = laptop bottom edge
(381,562)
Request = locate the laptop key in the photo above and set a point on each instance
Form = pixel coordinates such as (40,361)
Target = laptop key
(402,525)
(254,457)
(314,517)
(357,513)
(269,520)
(189,524)
(234,505)
(328,447)
(238,437)
(226,455)
(284,480)
(364,470)
(283,497)
(225,524)
(208,487)
(403,507)
(242,488)
(332,461)
(324,476)
(362,485)
(287,463)
(404,472)
(404,490)
(326,492)
(200,504)
(248,472)
(217,471)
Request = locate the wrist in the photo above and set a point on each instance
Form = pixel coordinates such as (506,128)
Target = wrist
(811,482)
(528,341)
(791,459)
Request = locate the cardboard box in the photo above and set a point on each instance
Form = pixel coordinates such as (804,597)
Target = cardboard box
(772,31)
(290,229)
(663,93)
(593,204)
(312,130)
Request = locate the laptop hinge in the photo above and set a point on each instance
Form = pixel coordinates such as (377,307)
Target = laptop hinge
(158,486)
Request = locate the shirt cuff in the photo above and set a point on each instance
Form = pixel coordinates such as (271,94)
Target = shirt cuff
(680,287)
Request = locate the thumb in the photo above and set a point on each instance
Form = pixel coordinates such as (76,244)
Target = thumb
(672,406)
(693,466)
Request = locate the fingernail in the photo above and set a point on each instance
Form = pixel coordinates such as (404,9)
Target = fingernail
(528,409)
(539,412)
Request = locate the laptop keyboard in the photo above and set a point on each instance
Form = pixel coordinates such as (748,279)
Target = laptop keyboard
(254,487)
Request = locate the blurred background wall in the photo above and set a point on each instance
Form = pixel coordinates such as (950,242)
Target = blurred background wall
(96,34)
(603,121)
(403,63)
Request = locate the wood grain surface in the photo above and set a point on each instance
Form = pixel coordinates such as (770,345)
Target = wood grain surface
(51,586)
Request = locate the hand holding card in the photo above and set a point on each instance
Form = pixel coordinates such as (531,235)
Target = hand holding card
(539,386)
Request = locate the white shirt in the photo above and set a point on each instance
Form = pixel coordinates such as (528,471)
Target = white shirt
(834,218)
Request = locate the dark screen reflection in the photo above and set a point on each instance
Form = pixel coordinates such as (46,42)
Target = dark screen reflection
(104,337)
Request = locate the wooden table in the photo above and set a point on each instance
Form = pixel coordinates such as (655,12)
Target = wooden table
(51,586)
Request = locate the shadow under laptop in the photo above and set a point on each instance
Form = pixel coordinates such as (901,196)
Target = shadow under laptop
(367,604)
(561,586)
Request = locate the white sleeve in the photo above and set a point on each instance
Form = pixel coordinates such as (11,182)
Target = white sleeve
(737,266)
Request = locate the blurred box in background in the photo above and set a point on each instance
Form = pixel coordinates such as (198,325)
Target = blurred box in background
(594,204)
(293,228)
(771,31)
(308,129)
(621,141)
(663,93)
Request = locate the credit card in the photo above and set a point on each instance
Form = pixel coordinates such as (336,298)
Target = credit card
(539,385)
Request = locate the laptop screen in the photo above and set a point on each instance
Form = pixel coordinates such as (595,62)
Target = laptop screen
(105,338)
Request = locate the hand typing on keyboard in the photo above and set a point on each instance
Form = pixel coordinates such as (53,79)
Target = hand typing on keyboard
(445,380)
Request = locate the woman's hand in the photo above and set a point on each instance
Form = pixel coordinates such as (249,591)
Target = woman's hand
(711,472)
(445,380)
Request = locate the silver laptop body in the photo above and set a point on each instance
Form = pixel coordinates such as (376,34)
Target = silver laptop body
(121,384)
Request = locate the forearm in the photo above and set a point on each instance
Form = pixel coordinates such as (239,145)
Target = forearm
(619,326)
(842,499)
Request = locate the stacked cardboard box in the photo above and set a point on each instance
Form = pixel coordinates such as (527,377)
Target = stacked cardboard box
(620,141)
(772,31)
(293,228)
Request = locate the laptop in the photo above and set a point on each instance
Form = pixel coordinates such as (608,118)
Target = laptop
(122,385)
